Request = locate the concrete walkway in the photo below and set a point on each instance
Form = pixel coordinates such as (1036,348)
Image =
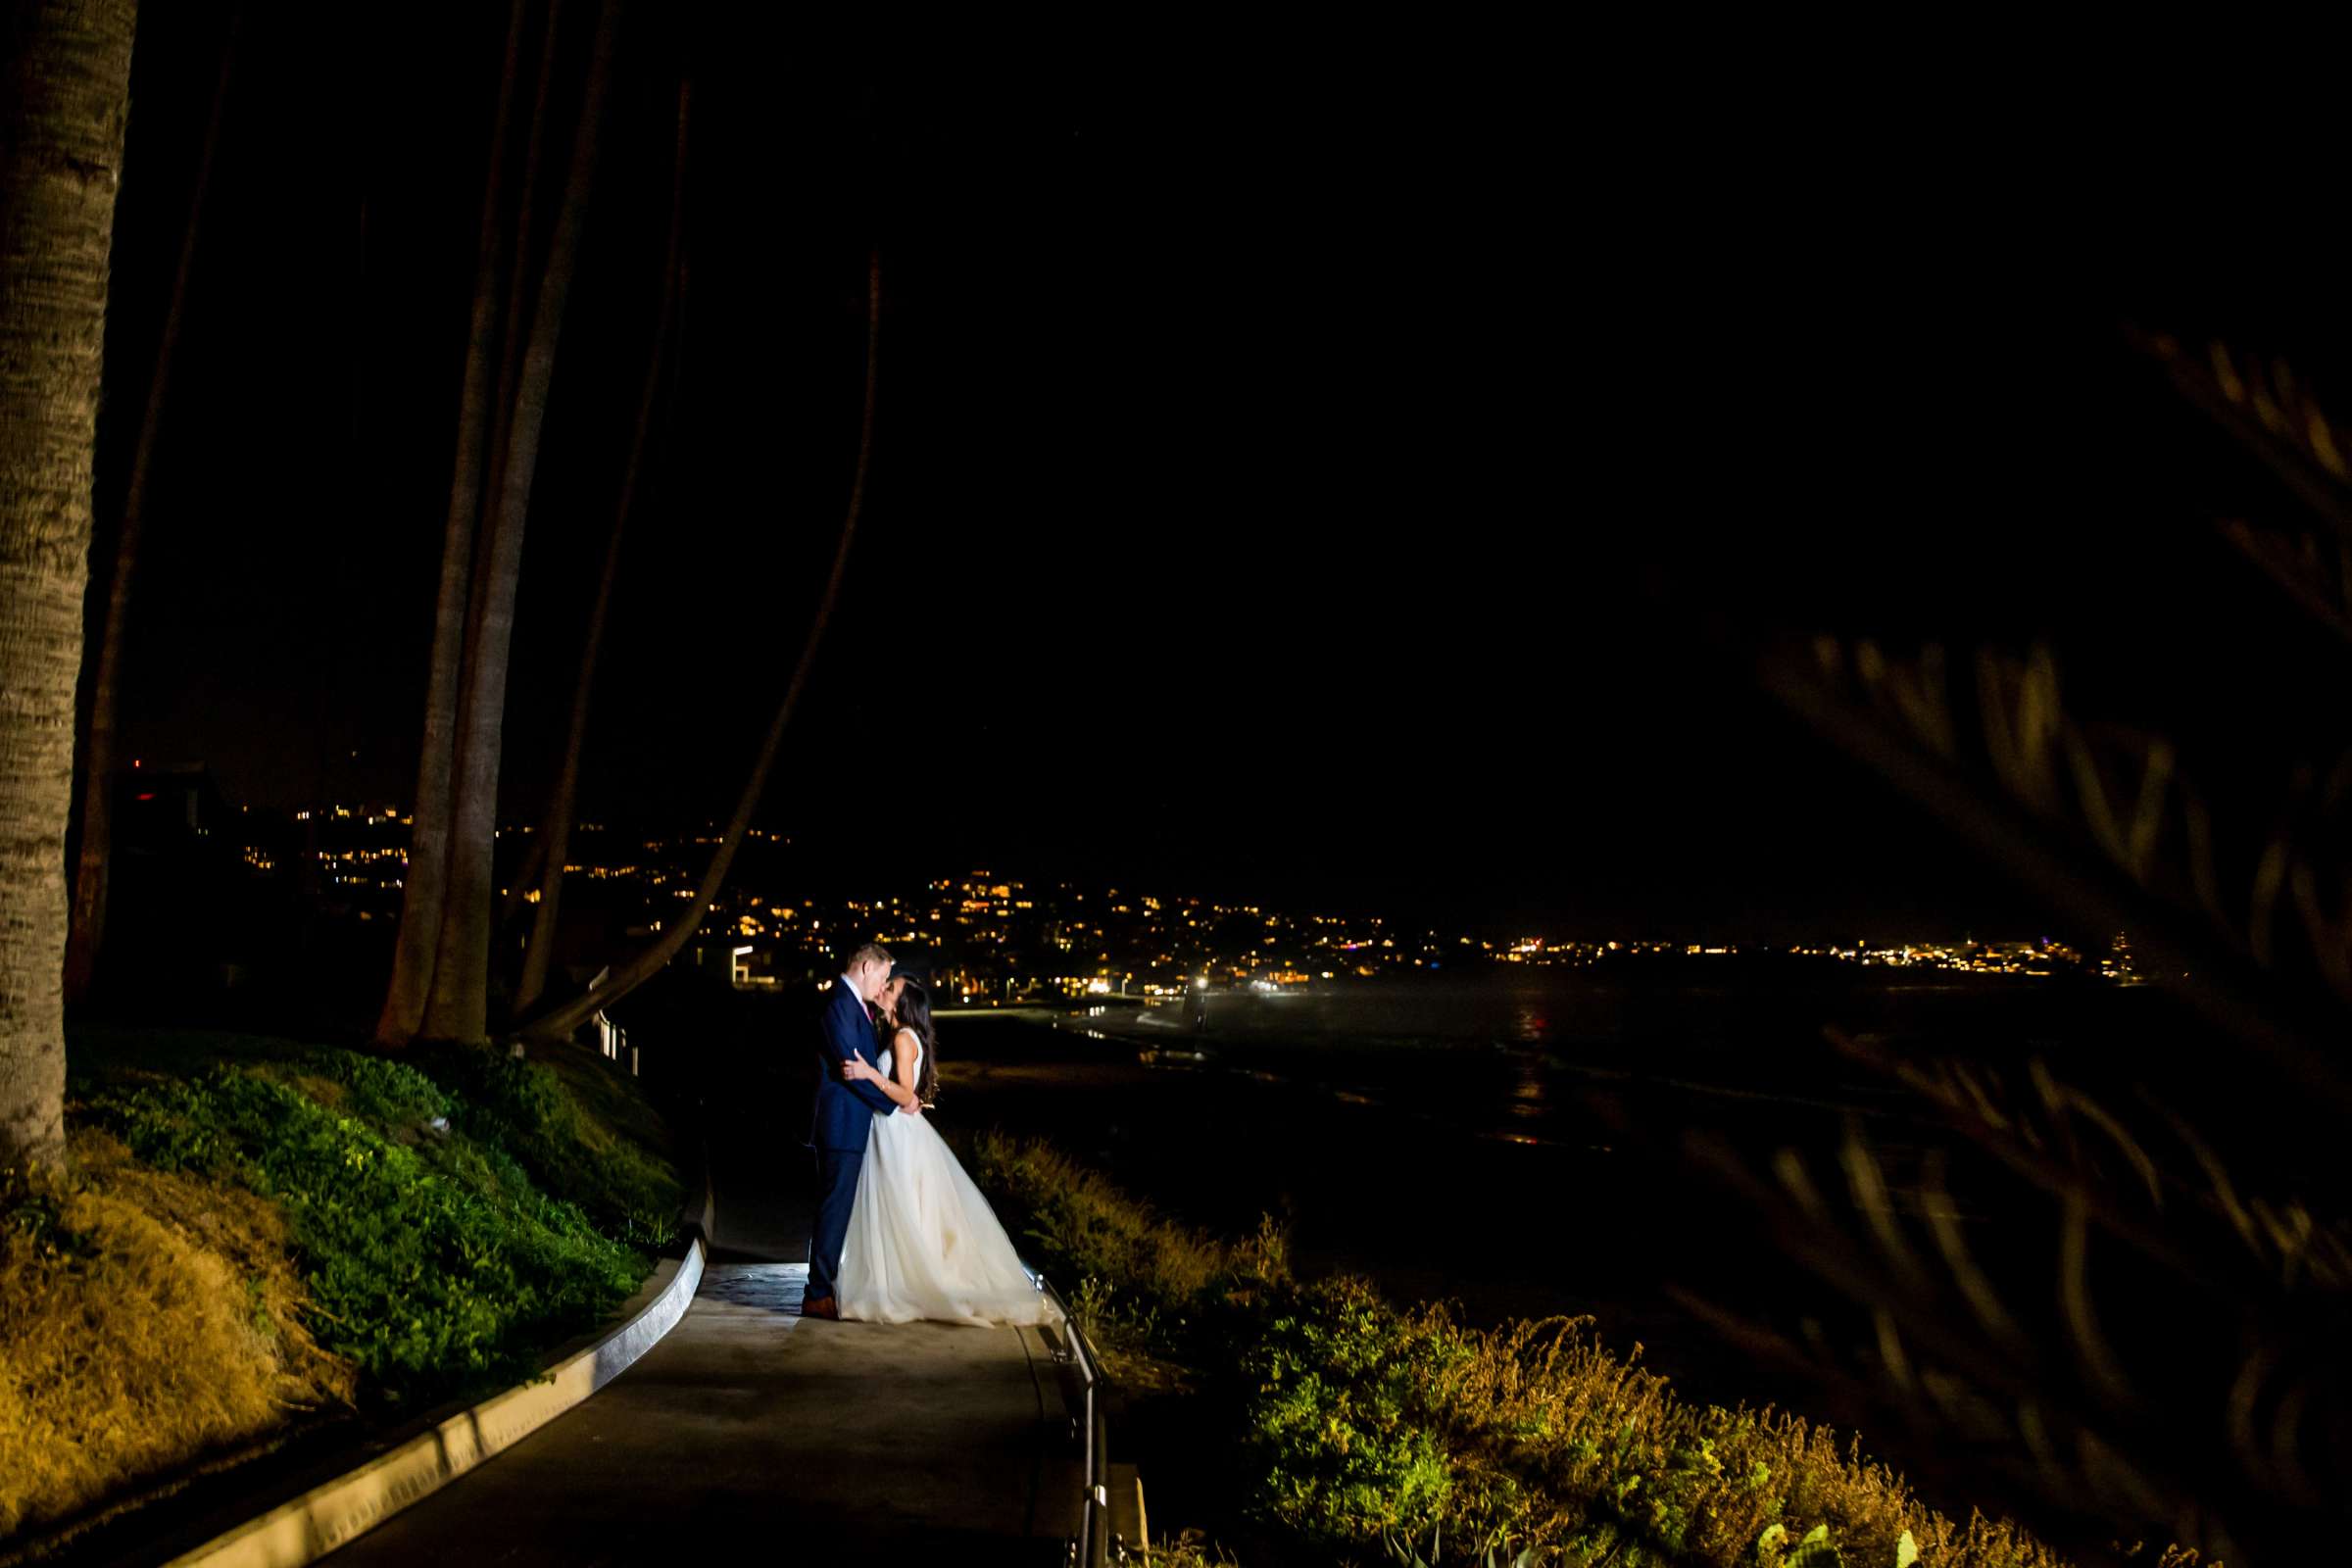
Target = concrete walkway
(750,1426)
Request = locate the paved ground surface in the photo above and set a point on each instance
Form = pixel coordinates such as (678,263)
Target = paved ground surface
(750,1427)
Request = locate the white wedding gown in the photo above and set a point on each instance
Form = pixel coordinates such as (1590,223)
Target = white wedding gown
(922,1241)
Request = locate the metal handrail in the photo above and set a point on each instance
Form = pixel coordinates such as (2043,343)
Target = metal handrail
(1093,1545)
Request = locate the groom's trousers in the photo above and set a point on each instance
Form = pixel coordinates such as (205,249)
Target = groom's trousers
(836,1191)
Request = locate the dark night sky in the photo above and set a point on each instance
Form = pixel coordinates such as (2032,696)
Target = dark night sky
(1289,480)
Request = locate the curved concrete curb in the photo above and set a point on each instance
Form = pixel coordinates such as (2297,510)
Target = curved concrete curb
(309,1526)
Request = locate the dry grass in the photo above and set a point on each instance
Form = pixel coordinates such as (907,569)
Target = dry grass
(151,1317)
(1187,1552)
(1081,1215)
(1137,1282)
(1547,1424)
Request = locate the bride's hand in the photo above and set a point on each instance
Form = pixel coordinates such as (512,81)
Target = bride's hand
(857,1070)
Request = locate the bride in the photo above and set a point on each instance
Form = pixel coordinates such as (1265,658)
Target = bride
(922,1241)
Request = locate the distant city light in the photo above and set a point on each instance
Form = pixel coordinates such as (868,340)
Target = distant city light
(1112,947)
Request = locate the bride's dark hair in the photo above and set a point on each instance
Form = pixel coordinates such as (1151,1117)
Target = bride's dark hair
(914,1012)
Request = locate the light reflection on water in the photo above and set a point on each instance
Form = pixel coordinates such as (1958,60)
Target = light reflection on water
(1521,1061)
(1527,1095)
(1566,1012)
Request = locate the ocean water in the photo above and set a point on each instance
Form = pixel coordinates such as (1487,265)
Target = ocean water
(1499,1053)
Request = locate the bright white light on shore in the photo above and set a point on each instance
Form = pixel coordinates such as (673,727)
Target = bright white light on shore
(1201,984)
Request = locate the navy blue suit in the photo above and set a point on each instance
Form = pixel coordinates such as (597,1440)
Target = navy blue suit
(838,1125)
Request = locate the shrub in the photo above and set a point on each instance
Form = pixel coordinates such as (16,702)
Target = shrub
(382,1091)
(1335,1423)
(524,1108)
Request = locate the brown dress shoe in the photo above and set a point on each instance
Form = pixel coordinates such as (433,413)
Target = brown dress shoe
(823,1307)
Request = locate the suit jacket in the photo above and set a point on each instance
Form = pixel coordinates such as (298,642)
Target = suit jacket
(843,1114)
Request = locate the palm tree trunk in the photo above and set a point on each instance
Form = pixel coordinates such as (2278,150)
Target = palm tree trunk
(64,100)
(519,280)
(554,839)
(458,1008)
(93,861)
(424,886)
(558,1024)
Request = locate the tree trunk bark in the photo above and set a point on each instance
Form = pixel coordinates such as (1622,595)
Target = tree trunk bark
(93,863)
(64,100)
(424,885)
(518,282)
(458,1008)
(555,834)
(558,1024)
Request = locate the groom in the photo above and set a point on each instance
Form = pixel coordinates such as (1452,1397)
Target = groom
(844,1114)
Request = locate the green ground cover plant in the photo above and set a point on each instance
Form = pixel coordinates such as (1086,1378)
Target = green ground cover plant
(567,1122)
(251,1231)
